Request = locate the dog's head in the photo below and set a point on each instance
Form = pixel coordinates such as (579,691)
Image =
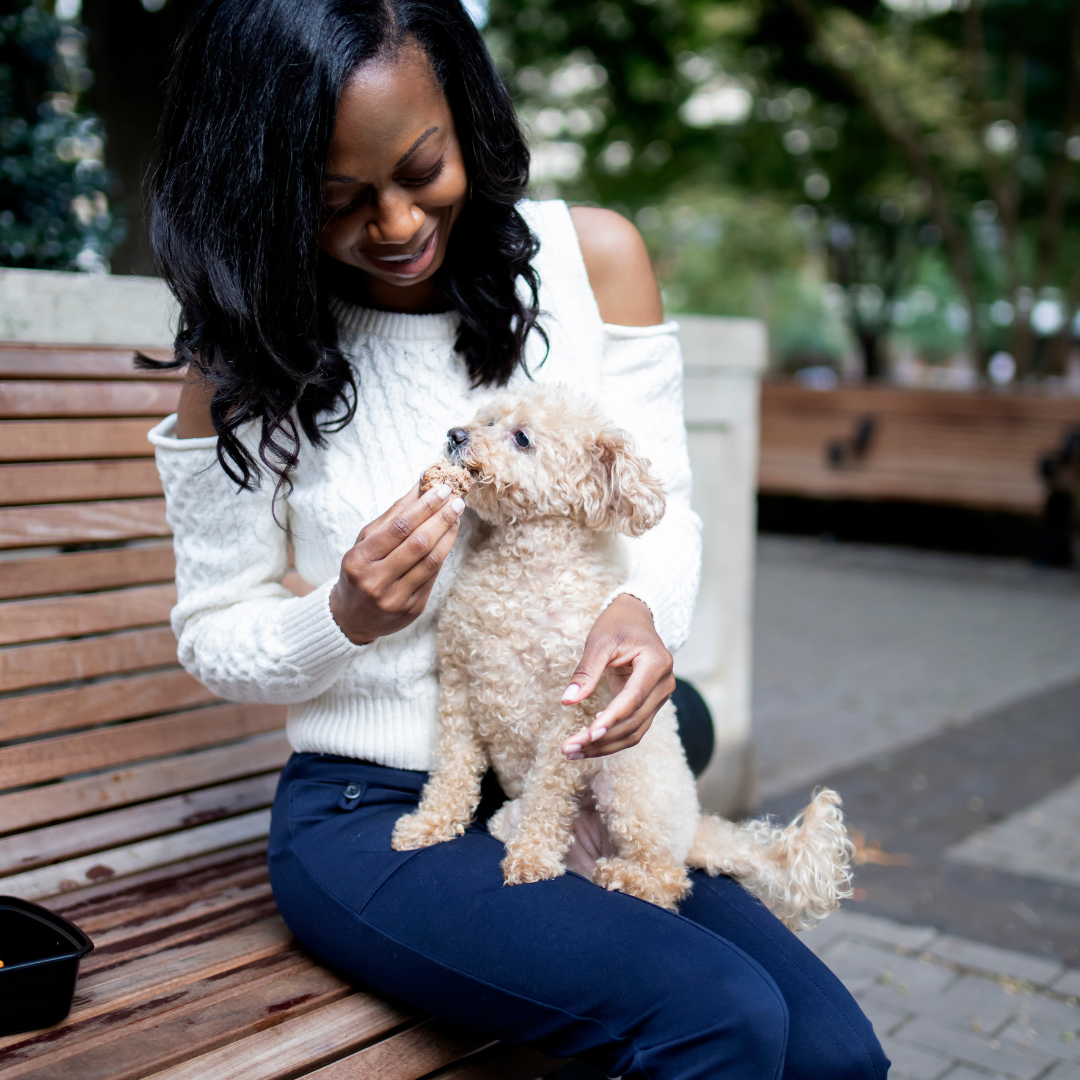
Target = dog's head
(546,453)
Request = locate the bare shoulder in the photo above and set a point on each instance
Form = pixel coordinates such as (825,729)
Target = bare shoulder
(619,269)
(193,414)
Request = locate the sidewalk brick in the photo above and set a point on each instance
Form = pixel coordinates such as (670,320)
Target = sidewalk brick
(988,958)
(885,1018)
(865,969)
(1069,983)
(984,1051)
(1064,1071)
(886,931)
(966,1072)
(974,1004)
(911,1063)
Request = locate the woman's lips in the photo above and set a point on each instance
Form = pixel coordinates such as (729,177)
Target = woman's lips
(412,266)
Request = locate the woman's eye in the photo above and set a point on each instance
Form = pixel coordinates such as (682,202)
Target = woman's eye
(420,181)
(521,439)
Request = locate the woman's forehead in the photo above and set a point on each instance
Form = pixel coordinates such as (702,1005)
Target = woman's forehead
(389,108)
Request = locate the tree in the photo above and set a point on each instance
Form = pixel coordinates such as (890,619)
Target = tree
(54,210)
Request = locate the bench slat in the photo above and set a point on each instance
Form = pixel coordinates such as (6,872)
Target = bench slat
(302,1043)
(25,666)
(119,862)
(85,1041)
(87,571)
(100,703)
(74,440)
(55,802)
(38,400)
(79,523)
(70,755)
(74,362)
(34,620)
(125,1048)
(78,481)
(39,847)
(409,1054)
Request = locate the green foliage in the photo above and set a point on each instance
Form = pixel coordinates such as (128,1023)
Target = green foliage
(54,211)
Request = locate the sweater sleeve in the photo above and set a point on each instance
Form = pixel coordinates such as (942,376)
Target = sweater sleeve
(642,393)
(240,631)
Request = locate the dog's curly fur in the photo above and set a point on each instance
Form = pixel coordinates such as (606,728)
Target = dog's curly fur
(553,482)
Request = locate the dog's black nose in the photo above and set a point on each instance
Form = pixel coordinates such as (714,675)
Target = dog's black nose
(458,436)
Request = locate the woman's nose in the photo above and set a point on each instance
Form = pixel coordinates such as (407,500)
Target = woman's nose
(397,219)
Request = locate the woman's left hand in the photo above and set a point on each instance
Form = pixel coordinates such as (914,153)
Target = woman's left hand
(624,645)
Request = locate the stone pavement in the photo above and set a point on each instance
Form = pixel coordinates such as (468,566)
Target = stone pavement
(860,649)
(940,694)
(948,1009)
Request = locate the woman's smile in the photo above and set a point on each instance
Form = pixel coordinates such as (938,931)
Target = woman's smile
(409,265)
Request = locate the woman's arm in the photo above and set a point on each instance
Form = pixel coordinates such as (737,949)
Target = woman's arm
(642,382)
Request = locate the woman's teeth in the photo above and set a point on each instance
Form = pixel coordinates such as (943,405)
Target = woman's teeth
(405,258)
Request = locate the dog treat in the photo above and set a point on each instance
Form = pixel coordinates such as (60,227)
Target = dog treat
(443,472)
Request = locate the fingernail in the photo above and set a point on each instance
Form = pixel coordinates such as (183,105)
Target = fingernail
(574,757)
(573,748)
(571,691)
(457,505)
(442,491)
(599,733)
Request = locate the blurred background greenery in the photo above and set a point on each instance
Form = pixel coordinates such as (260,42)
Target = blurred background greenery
(892,186)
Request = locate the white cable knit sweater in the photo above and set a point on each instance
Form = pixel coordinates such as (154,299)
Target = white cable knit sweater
(248,638)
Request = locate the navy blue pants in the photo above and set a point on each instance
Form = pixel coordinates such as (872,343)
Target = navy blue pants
(720,991)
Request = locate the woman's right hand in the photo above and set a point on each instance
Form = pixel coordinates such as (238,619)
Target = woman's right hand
(388,574)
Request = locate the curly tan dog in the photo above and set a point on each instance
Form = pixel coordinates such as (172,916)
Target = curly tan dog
(554,483)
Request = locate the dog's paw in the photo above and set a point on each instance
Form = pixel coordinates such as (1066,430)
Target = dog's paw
(521,867)
(664,886)
(420,830)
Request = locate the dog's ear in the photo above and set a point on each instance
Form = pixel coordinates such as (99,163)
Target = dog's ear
(620,493)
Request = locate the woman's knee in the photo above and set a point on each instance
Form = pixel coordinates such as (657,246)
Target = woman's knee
(843,1050)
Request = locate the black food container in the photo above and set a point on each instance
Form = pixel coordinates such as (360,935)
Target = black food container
(41,953)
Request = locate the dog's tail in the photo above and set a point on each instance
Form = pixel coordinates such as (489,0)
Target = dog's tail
(800,873)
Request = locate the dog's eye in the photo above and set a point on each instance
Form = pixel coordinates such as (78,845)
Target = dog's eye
(521,439)
(491,423)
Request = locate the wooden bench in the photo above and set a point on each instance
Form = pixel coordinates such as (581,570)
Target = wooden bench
(976,449)
(136,803)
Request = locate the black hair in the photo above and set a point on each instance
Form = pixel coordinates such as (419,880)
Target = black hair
(238,200)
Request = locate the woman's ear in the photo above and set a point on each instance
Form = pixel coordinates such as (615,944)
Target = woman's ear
(620,493)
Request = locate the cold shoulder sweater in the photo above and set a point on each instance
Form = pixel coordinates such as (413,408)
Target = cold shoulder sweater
(248,638)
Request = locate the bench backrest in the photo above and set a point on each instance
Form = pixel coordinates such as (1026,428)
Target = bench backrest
(979,449)
(112,759)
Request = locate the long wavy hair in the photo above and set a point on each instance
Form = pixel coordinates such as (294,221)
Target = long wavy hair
(237,195)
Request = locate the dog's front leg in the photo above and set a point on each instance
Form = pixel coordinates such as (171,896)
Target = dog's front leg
(452,792)
(548,807)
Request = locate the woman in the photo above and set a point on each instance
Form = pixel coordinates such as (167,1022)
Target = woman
(338,208)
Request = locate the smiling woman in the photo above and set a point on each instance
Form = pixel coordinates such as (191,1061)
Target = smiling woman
(340,209)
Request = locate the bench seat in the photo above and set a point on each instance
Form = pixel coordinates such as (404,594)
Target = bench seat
(136,803)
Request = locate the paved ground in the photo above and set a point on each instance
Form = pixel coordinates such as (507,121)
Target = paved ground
(860,649)
(946,1008)
(941,696)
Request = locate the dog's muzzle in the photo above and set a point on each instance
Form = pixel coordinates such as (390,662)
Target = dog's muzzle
(457,439)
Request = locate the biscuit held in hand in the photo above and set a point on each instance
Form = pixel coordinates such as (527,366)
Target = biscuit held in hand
(443,472)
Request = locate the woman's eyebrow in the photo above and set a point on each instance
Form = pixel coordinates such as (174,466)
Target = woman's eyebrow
(412,149)
(336,178)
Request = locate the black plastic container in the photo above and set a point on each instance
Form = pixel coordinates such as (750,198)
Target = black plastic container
(41,953)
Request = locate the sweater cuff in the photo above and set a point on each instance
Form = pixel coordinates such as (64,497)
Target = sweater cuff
(163,436)
(318,644)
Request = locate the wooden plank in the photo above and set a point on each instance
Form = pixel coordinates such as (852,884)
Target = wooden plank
(127,1043)
(71,798)
(80,523)
(39,847)
(78,481)
(72,440)
(100,703)
(87,571)
(34,361)
(121,861)
(34,620)
(409,1054)
(300,1044)
(62,661)
(71,755)
(121,1028)
(28,399)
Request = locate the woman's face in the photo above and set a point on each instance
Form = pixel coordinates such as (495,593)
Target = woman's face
(395,180)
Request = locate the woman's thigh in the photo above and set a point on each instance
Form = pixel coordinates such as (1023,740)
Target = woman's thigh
(829,1038)
(562,964)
